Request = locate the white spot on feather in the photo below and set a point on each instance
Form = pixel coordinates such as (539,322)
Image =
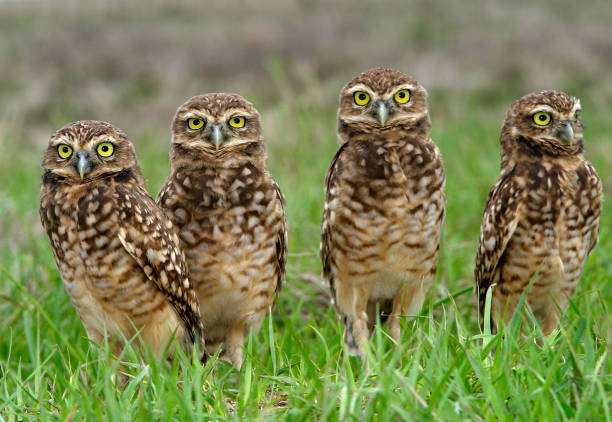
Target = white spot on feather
(490,243)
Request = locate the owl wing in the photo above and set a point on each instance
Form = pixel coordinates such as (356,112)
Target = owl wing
(281,238)
(502,213)
(335,167)
(166,191)
(48,217)
(593,191)
(148,236)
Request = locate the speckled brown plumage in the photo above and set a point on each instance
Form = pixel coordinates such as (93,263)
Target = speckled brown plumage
(230,214)
(541,218)
(384,205)
(116,251)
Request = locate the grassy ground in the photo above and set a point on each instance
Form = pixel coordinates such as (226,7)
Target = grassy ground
(134,63)
(295,367)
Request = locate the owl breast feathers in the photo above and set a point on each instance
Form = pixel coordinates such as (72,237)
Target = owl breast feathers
(230,215)
(384,204)
(117,253)
(541,218)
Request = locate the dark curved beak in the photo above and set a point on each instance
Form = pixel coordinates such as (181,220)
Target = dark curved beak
(84,164)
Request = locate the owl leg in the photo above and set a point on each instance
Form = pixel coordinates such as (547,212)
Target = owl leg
(383,307)
(119,378)
(215,337)
(94,335)
(348,337)
(550,314)
(550,322)
(233,343)
(396,313)
(408,302)
(352,300)
(114,342)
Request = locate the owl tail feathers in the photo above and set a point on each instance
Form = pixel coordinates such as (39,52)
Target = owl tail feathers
(203,352)
(199,339)
(196,337)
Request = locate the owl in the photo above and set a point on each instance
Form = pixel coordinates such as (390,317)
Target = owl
(230,214)
(541,218)
(117,252)
(384,205)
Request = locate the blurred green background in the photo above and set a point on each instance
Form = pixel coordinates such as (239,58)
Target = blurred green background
(133,63)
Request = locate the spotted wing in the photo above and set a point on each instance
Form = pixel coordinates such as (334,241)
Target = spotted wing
(501,216)
(281,239)
(331,179)
(593,192)
(148,236)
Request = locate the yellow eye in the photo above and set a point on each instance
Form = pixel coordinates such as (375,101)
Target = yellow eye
(402,96)
(64,151)
(237,121)
(542,118)
(195,124)
(361,98)
(106,149)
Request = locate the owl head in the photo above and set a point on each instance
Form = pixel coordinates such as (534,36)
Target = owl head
(546,122)
(380,100)
(215,126)
(87,150)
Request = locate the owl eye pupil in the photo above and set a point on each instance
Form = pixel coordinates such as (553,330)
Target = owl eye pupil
(236,120)
(401,95)
(64,149)
(104,148)
(542,117)
(362,97)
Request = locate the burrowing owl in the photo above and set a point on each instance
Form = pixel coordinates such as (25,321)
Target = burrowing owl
(230,215)
(541,218)
(116,251)
(384,204)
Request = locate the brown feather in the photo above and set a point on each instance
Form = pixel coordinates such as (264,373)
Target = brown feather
(117,253)
(542,216)
(384,206)
(231,218)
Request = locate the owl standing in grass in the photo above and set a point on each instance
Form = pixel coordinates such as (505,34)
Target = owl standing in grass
(541,218)
(384,205)
(230,215)
(117,253)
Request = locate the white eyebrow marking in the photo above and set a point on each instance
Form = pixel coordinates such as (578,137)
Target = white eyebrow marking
(192,115)
(542,108)
(235,112)
(360,87)
(59,141)
(386,95)
(408,86)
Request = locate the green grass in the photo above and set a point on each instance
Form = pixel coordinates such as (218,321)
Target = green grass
(295,367)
